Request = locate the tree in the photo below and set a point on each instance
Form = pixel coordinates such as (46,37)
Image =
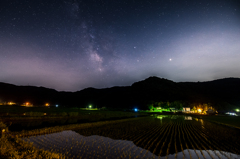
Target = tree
(166,105)
(205,107)
(177,105)
(150,107)
(194,109)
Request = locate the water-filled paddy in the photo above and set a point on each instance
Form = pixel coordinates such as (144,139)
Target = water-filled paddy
(149,137)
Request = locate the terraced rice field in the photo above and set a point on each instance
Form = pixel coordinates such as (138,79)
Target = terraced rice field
(148,137)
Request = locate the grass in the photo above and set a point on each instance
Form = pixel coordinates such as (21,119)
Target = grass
(49,112)
(13,109)
(3,127)
(12,147)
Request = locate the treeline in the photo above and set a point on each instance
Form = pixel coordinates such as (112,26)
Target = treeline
(179,105)
(223,95)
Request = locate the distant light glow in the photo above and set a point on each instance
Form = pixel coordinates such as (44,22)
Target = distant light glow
(57,105)
(27,104)
(237,110)
(11,103)
(90,106)
(230,113)
(135,109)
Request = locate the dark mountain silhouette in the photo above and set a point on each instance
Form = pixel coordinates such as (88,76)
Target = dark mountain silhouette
(223,94)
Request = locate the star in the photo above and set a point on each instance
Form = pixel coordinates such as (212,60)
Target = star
(74,43)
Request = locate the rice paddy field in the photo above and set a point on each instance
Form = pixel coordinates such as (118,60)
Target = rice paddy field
(157,136)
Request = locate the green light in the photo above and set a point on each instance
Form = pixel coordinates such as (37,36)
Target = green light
(237,110)
(90,106)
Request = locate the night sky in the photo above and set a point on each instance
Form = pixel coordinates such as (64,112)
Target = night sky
(69,45)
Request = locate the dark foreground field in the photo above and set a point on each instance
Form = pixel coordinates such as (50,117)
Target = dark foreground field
(232,121)
(169,136)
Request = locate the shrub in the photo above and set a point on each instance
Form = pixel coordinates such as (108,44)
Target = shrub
(52,114)
(34,114)
(73,113)
(63,114)
(18,149)
(2,126)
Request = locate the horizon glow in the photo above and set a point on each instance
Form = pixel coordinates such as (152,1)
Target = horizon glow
(71,45)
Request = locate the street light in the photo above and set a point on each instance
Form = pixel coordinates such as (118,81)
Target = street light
(90,106)
(237,110)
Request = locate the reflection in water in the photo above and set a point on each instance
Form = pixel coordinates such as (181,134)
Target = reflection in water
(188,118)
(74,145)
(173,117)
(201,123)
(160,116)
(207,154)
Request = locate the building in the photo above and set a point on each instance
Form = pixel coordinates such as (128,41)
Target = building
(186,109)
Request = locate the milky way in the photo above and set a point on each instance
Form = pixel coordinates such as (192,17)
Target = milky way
(74,44)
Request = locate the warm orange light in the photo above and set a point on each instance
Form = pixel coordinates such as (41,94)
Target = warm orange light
(11,103)
(47,104)
(27,104)
(199,110)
